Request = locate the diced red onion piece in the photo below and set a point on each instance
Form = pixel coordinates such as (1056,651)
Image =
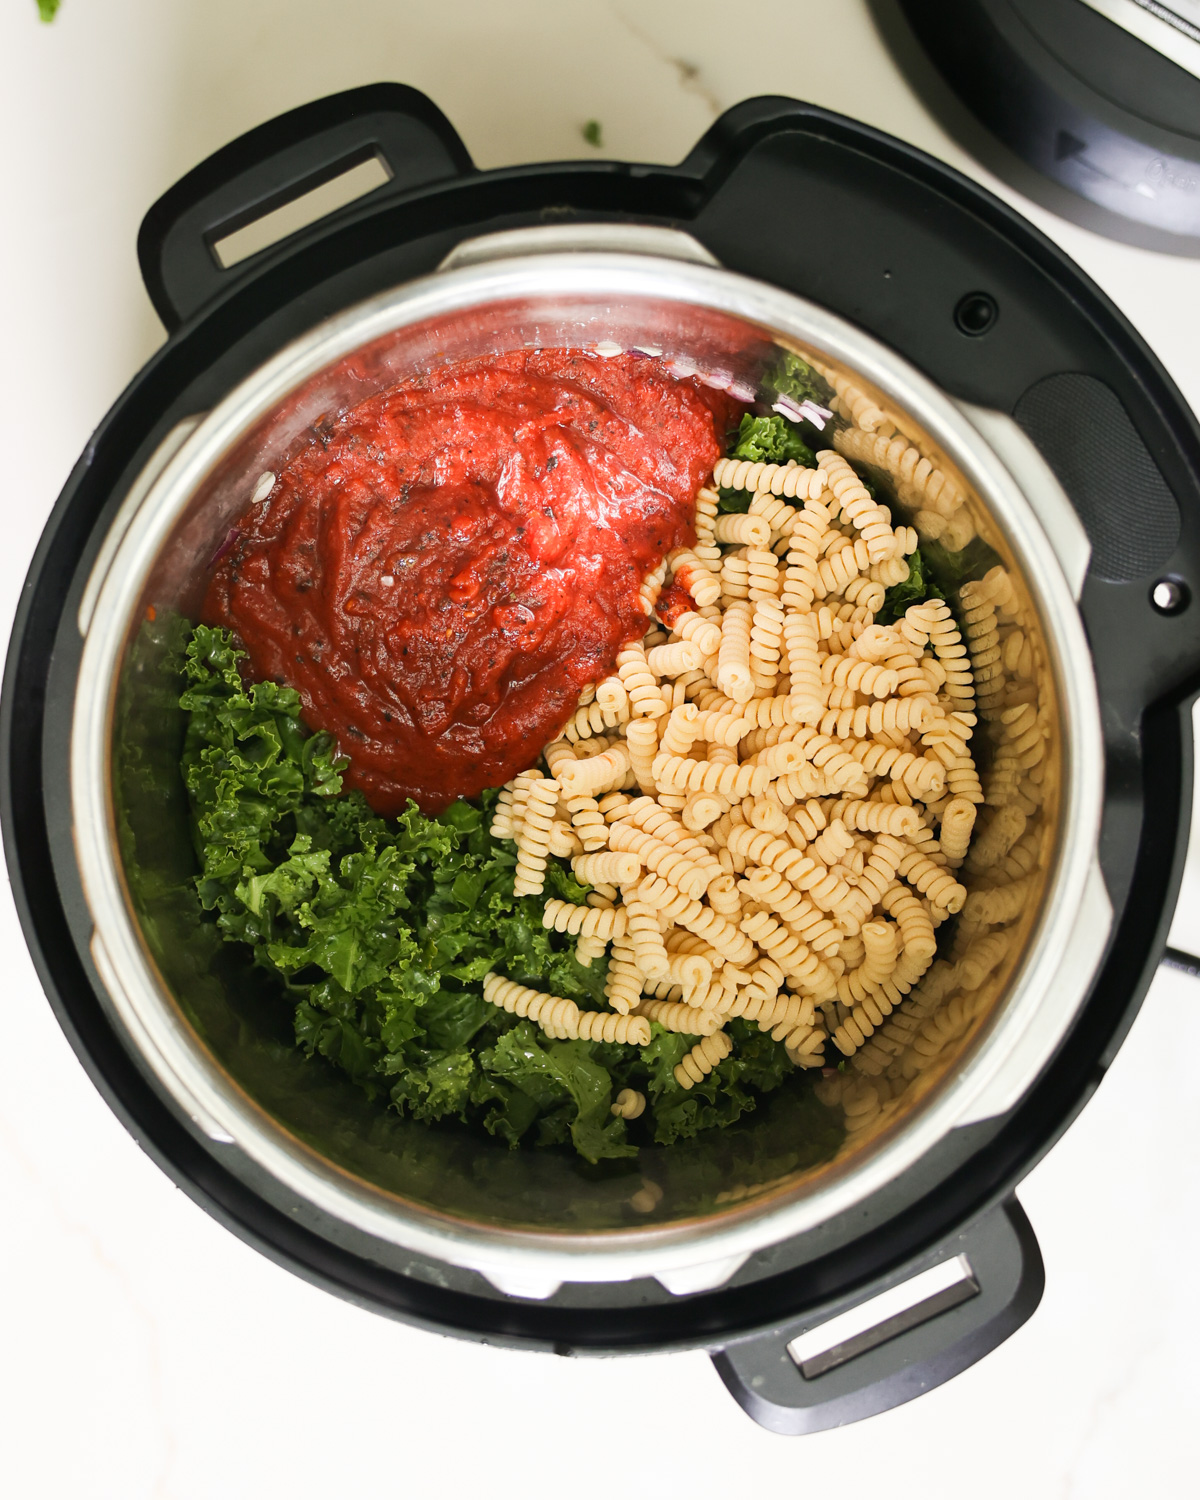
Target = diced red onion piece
(817,415)
(231,536)
(788,409)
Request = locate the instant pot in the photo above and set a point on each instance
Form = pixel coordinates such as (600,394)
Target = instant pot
(951,331)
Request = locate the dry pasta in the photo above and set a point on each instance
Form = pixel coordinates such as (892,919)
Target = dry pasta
(806,808)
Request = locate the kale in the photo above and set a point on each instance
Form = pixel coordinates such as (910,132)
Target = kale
(756,1065)
(379,932)
(593,133)
(772,440)
(798,382)
(914,589)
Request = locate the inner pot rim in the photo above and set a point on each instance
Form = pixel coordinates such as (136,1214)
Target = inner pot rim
(156,1028)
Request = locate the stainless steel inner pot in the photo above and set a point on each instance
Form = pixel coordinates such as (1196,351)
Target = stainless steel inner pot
(529,1220)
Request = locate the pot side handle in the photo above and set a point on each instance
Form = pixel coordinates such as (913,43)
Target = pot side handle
(918,1328)
(276,163)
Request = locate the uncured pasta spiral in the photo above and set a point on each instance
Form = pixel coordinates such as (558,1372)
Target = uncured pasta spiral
(641,738)
(639,681)
(645,937)
(655,819)
(958,822)
(762,576)
(777,479)
(716,930)
(691,573)
(801,578)
(555,1015)
(607,867)
(651,588)
(733,657)
(533,836)
(674,659)
(776,512)
(584,723)
(682,730)
(702,633)
(623,985)
(563,841)
(629,1104)
(673,1015)
(877,817)
(702,1059)
(941,888)
(587,821)
(677,773)
(701,809)
(595,773)
(603,1026)
(793,908)
(743,530)
(790,952)
(672,863)
(707,504)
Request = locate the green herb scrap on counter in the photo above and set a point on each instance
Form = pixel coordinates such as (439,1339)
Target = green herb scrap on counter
(379,933)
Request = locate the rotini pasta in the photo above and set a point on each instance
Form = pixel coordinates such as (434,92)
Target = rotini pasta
(702,1059)
(807,808)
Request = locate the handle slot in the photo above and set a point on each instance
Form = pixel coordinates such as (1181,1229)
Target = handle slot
(891,1313)
(303,205)
(277,166)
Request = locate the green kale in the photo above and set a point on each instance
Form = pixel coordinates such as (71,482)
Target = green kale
(914,589)
(380,931)
(772,440)
(757,1064)
(593,133)
(566,1082)
(798,382)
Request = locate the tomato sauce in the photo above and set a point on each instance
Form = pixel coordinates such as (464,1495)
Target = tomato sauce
(442,570)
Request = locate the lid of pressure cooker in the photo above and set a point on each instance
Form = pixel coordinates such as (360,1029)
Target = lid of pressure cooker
(792,195)
(1100,98)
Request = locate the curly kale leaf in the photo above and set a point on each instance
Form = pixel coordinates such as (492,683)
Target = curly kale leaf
(757,1064)
(379,931)
(566,1084)
(772,440)
(796,380)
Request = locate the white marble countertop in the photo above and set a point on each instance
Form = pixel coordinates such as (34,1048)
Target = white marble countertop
(148,1353)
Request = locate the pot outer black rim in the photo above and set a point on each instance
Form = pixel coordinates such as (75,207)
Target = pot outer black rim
(290,278)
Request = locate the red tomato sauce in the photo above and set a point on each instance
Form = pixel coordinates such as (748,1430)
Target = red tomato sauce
(445,567)
(673,602)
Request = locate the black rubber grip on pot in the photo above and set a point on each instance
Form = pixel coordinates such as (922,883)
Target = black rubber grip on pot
(1088,439)
(276,163)
(907,1354)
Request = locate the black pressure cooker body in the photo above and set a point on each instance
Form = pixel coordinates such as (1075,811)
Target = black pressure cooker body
(970,294)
